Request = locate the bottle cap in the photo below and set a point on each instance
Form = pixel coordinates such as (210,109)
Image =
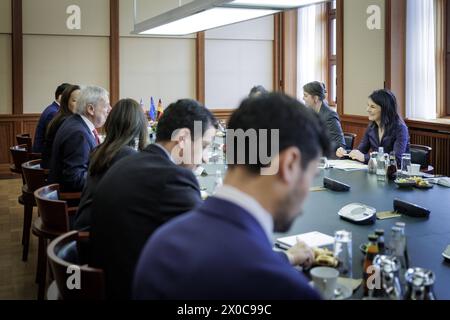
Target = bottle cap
(373,237)
(379,232)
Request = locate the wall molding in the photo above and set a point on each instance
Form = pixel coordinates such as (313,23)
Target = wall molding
(114,52)
(17,57)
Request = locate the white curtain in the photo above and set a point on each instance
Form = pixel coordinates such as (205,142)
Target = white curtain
(311,46)
(421,60)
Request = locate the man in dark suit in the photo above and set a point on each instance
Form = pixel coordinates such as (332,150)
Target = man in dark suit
(314,94)
(223,249)
(76,138)
(47,115)
(143,191)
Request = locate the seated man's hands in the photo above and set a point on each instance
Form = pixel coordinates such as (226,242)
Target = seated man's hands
(357,155)
(341,152)
(300,255)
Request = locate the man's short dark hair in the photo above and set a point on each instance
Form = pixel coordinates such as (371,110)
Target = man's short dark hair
(298,127)
(61,89)
(183,114)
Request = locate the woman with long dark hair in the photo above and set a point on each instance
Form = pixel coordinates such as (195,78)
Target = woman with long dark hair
(69,100)
(386,129)
(126,130)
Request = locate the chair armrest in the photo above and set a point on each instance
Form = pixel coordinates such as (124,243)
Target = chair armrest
(69,195)
(72,211)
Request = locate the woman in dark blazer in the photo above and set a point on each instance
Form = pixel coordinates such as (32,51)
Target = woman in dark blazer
(124,126)
(314,94)
(386,129)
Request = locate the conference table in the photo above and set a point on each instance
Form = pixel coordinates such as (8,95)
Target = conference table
(426,238)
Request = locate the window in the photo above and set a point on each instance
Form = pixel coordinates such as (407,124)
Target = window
(427,46)
(332,53)
(317,48)
(447,71)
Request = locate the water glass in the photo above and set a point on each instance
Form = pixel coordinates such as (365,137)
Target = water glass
(343,252)
(406,161)
(323,163)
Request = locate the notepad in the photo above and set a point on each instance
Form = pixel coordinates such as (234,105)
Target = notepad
(312,239)
(347,165)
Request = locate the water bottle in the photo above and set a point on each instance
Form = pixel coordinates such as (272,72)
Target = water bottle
(381,167)
(372,165)
(343,252)
(218,182)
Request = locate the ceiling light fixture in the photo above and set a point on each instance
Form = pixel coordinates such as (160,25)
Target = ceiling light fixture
(201,15)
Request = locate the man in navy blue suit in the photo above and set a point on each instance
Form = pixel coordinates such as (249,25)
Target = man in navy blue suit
(47,115)
(223,250)
(76,138)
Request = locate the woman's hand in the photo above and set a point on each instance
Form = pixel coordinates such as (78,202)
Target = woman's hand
(341,152)
(357,155)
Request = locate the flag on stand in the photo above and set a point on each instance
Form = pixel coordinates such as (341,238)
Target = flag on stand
(152,111)
(160,109)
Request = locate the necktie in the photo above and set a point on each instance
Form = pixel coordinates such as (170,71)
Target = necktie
(97,138)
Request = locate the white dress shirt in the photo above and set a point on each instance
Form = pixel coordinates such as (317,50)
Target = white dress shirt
(248,203)
(89,124)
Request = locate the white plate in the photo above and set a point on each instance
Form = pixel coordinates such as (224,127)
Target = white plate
(341,292)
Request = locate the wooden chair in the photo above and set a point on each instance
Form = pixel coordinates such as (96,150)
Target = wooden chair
(25,138)
(421,155)
(350,140)
(35,178)
(53,222)
(66,252)
(19,156)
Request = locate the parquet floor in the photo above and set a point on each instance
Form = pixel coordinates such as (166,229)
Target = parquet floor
(16,277)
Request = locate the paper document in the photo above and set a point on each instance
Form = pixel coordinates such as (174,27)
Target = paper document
(347,165)
(312,239)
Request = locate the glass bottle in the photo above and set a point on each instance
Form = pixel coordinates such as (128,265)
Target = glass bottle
(343,252)
(381,167)
(372,165)
(392,168)
(402,226)
(218,182)
(380,241)
(372,251)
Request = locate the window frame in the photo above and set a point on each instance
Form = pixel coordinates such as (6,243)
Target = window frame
(332,59)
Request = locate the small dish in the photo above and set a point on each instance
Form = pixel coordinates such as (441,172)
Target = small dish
(425,185)
(405,183)
(342,292)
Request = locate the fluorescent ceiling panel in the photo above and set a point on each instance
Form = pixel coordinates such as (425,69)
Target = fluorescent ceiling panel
(208,19)
(286,4)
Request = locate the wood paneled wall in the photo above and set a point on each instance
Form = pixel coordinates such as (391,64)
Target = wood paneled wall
(10,126)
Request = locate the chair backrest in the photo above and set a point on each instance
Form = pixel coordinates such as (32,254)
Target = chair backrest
(19,155)
(350,140)
(54,212)
(35,177)
(25,138)
(68,253)
(420,155)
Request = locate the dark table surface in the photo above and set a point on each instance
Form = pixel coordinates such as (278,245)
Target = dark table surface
(426,238)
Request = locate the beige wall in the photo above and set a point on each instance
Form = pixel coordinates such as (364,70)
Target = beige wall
(159,67)
(5,16)
(162,68)
(49,17)
(51,60)
(364,56)
(238,57)
(5,74)
(53,54)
